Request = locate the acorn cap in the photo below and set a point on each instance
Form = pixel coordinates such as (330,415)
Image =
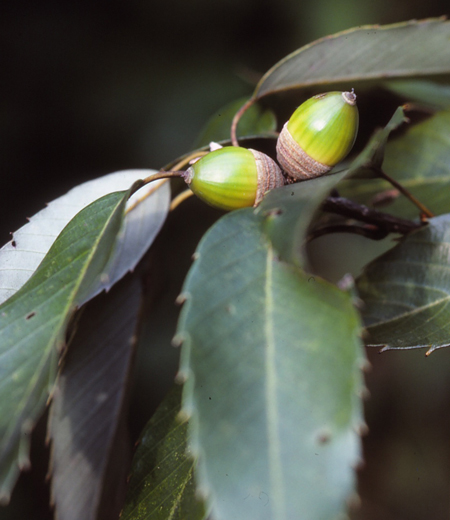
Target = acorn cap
(233,177)
(319,134)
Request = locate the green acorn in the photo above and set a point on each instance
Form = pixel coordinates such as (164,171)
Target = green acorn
(233,177)
(319,134)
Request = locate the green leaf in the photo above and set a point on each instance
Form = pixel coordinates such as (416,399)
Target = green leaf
(90,446)
(407,291)
(415,48)
(256,121)
(270,356)
(162,484)
(33,323)
(147,210)
(420,161)
(427,93)
(372,157)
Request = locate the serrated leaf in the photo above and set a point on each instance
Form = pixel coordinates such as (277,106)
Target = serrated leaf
(428,93)
(420,161)
(89,451)
(33,324)
(415,48)
(256,121)
(270,356)
(407,291)
(162,483)
(20,257)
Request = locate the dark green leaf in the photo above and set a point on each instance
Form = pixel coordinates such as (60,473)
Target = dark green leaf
(146,211)
(270,357)
(407,291)
(415,48)
(162,485)
(90,450)
(427,93)
(33,324)
(255,122)
(420,161)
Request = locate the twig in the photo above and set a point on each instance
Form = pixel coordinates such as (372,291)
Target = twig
(425,211)
(368,231)
(181,197)
(383,221)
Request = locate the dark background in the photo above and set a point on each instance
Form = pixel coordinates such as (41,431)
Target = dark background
(88,88)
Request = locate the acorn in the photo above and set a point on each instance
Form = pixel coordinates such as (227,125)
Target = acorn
(319,134)
(233,177)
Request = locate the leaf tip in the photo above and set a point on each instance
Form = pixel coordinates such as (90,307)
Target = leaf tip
(365,365)
(4,498)
(363,393)
(432,349)
(183,416)
(24,463)
(361,429)
(354,501)
(181,298)
(177,341)
(202,493)
(181,377)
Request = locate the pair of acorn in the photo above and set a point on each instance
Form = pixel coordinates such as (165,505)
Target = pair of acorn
(319,134)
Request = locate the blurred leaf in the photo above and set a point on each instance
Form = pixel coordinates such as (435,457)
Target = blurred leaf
(420,161)
(407,291)
(162,483)
(88,469)
(428,93)
(33,324)
(288,211)
(20,257)
(256,121)
(415,48)
(270,357)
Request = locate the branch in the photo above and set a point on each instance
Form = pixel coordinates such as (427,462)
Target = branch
(383,221)
(368,231)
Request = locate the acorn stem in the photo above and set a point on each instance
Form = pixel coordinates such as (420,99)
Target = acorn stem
(236,119)
(186,161)
(383,221)
(181,197)
(162,175)
(425,211)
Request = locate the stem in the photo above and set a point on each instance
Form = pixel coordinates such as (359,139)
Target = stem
(162,175)
(181,197)
(368,231)
(383,221)
(236,118)
(186,160)
(425,211)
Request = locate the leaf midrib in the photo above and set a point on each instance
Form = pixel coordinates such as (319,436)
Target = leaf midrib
(272,418)
(9,433)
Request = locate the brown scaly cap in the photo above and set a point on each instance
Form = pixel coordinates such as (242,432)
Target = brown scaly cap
(269,175)
(293,158)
